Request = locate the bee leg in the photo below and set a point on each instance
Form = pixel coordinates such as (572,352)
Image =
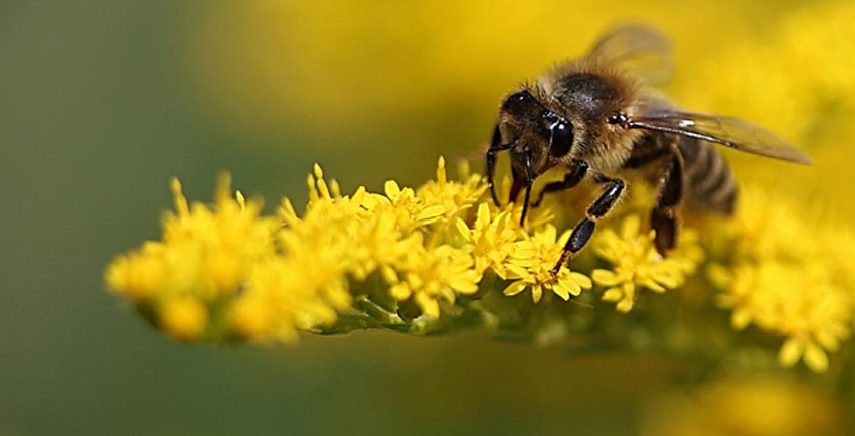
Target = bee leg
(663,218)
(495,147)
(529,180)
(583,231)
(571,179)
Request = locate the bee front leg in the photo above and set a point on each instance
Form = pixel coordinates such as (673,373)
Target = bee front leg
(663,218)
(583,231)
(495,147)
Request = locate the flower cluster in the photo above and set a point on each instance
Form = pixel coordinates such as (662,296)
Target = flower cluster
(227,271)
(791,275)
(406,257)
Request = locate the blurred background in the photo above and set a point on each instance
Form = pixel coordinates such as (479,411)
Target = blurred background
(102,101)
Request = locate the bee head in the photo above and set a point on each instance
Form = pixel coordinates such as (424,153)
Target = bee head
(525,119)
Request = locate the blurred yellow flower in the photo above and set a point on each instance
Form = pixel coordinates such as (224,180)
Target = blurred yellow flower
(799,77)
(784,283)
(756,406)
(184,318)
(300,291)
(206,254)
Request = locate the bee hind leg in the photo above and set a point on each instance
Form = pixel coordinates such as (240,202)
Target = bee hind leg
(583,231)
(663,218)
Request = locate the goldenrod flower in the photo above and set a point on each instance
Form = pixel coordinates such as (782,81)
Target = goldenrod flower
(455,198)
(491,238)
(410,212)
(430,275)
(206,254)
(635,263)
(531,267)
(285,294)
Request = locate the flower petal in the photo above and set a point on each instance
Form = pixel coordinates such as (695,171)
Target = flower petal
(791,352)
(515,288)
(815,358)
(605,277)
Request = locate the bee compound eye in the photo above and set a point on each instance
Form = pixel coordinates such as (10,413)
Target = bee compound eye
(562,138)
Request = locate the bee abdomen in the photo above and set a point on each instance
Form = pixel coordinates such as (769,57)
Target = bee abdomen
(710,181)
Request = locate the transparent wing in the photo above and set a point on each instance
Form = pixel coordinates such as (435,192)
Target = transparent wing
(727,131)
(639,49)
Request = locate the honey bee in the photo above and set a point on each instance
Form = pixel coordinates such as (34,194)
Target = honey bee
(595,118)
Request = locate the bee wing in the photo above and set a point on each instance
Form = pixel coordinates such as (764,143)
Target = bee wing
(727,131)
(639,49)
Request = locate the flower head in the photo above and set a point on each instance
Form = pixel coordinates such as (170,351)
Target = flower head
(430,275)
(206,255)
(530,267)
(453,198)
(491,238)
(635,264)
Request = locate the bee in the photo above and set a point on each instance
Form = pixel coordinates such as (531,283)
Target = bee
(594,118)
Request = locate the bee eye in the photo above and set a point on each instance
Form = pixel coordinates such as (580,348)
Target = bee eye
(562,138)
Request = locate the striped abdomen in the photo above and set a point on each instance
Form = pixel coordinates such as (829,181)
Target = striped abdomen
(709,181)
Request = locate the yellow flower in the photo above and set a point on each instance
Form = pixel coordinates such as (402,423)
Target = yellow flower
(139,275)
(635,263)
(455,198)
(430,275)
(531,264)
(362,235)
(300,291)
(410,211)
(491,238)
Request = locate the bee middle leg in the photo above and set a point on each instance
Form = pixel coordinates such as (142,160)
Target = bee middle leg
(663,218)
(583,231)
